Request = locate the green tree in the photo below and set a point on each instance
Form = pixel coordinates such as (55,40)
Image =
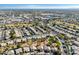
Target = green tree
(61,35)
(12,34)
(51,39)
(58,43)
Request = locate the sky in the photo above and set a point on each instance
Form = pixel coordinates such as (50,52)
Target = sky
(39,6)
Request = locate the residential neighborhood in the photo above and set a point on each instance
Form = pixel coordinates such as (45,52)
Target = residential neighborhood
(39,32)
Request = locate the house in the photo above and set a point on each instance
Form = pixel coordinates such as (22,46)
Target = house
(47,49)
(26,49)
(3,44)
(10,42)
(33,48)
(41,53)
(18,40)
(18,51)
(23,39)
(10,52)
